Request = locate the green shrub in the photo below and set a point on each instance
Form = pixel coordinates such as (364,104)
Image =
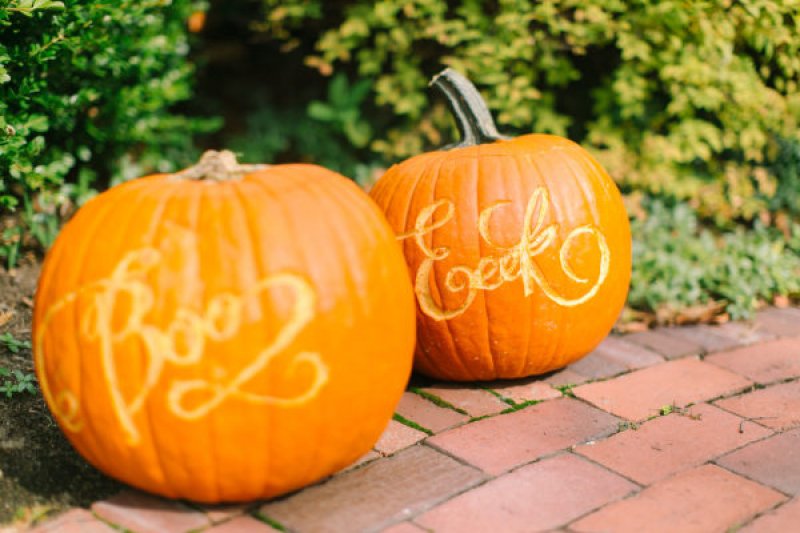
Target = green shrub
(330,132)
(87,90)
(696,100)
(677,264)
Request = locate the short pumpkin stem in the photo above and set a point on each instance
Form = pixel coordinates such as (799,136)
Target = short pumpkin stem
(472,116)
(218,166)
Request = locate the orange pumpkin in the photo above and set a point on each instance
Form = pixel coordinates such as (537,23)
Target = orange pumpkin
(519,249)
(225,333)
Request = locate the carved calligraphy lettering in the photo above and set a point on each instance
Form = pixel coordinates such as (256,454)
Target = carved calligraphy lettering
(512,263)
(182,342)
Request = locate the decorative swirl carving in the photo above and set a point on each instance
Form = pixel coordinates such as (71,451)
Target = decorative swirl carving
(516,261)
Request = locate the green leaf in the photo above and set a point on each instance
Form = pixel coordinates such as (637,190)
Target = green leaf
(338,89)
(38,123)
(359,133)
(47,4)
(321,111)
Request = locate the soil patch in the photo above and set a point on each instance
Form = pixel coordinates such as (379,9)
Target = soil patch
(40,472)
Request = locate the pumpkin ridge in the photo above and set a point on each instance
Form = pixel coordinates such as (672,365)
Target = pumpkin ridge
(426,172)
(475,172)
(554,347)
(171,205)
(264,185)
(433,176)
(530,179)
(342,257)
(203,196)
(260,270)
(135,207)
(389,197)
(456,352)
(579,184)
(357,225)
(155,219)
(309,265)
(194,205)
(164,206)
(529,308)
(98,220)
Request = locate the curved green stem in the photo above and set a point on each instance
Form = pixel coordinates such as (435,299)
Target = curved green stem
(472,116)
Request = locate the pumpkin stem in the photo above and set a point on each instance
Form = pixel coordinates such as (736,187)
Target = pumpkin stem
(472,116)
(218,166)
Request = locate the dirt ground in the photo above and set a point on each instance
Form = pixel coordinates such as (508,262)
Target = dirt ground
(40,473)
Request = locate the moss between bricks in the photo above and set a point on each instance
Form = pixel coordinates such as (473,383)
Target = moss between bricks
(499,396)
(436,400)
(410,423)
(512,406)
(271,522)
(517,406)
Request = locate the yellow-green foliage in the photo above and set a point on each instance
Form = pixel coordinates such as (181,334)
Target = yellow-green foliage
(86,90)
(689,98)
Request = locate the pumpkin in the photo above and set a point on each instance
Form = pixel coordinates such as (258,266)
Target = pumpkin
(226,333)
(519,248)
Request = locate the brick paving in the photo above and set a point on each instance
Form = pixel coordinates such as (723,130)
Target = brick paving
(646,393)
(500,443)
(784,518)
(397,437)
(774,461)
(763,363)
(665,342)
(706,498)
(777,406)
(692,428)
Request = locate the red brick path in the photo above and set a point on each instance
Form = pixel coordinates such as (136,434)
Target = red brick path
(677,429)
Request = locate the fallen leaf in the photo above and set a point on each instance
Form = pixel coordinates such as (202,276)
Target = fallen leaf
(633,327)
(781,301)
(631,321)
(700,314)
(721,319)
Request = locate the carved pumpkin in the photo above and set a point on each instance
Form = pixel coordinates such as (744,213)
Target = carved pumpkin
(519,249)
(226,333)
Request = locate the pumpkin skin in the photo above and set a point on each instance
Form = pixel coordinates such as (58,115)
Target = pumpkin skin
(217,339)
(519,249)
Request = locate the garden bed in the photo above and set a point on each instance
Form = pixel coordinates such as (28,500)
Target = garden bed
(40,473)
